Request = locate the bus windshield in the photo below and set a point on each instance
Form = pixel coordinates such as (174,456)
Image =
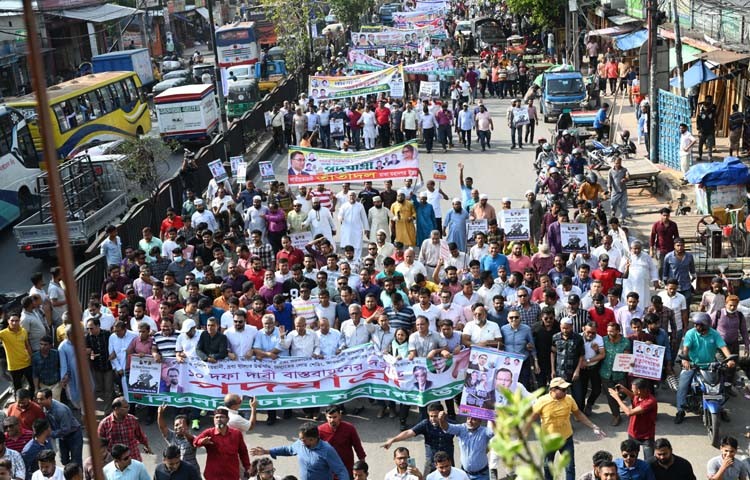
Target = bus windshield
(239,35)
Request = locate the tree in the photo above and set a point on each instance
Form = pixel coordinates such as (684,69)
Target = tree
(542,13)
(291,19)
(144,162)
(349,12)
(512,445)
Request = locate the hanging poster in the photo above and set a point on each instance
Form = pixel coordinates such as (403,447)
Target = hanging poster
(218,171)
(429,90)
(144,376)
(389,80)
(266,172)
(574,237)
(515,222)
(358,60)
(242,172)
(393,40)
(233,162)
(648,360)
(312,166)
(439,170)
(488,374)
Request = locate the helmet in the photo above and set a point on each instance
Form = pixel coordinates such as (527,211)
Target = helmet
(591,177)
(625,134)
(554,170)
(577,151)
(551,163)
(547,147)
(541,140)
(566,132)
(579,178)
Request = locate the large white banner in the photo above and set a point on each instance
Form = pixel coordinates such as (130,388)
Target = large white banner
(288,382)
(389,80)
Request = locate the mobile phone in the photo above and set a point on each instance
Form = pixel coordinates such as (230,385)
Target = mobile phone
(412,462)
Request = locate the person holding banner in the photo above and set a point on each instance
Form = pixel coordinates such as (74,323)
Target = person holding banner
(473,441)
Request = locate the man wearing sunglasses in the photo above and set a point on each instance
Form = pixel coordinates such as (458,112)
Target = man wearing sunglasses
(629,466)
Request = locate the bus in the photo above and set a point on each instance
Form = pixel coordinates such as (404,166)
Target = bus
(237,44)
(19,167)
(98,107)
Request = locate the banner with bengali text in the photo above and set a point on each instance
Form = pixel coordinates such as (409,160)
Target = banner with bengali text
(312,166)
(358,60)
(389,80)
(396,40)
(287,383)
(433,29)
(416,18)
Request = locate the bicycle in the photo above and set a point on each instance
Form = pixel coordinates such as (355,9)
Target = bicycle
(735,232)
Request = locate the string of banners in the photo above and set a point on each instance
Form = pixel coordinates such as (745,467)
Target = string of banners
(286,383)
(444,65)
(390,80)
(312,166)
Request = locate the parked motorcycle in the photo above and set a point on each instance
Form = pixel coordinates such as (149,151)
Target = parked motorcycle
(707,395)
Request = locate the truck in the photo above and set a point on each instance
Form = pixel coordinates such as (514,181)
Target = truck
(138,61)
(94,197)
(562,91)
(188,114)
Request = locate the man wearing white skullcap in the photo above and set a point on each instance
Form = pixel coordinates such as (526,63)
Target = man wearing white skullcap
(483,210)
(455,225)
(380,218)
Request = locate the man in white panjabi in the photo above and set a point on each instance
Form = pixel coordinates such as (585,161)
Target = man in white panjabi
(320,221)
(430,250)
(642,274)
(379,218)
(353,220)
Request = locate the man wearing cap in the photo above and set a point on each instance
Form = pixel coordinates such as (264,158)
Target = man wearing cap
(699,348)
(353,220)
(579,316)
(455,225)
(483,210)
(379,218)
(320,221)
(554,410)
(201,215)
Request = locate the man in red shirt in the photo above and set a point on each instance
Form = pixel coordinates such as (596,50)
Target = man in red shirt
(356,130)
(642,413)
(663,234)
(256,272)
(294,256)
(606,274)
(120,427)
(342,436)
(172,220)
(601,315)
(16,437)
(225,449)
(25,409)
(383,119)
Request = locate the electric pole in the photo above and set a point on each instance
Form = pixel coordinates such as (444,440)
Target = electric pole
(217,71)
(678,48)
(653,95)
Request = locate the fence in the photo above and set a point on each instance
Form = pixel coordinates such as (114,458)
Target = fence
(90,275)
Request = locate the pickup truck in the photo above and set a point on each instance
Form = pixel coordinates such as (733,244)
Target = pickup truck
(95,196)
(562,91)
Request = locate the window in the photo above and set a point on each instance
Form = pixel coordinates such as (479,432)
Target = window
(60,116)
(94,106)
(105,98)
(117,94)
(131,94)
(5,139)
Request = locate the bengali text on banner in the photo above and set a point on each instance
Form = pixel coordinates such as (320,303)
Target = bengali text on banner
(312,166)
(287,383)
(390,80)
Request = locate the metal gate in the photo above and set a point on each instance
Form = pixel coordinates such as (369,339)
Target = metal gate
(673,110)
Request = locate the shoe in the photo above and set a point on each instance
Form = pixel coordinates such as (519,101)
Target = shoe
(445,150)
(724,416)
(270,421)
(678,419)
(588,411)
(615,421)
(392,414)
(382,412)
(513,147)
(483,149)
(196,424)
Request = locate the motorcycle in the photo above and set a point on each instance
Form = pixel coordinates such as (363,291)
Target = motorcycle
(707,395)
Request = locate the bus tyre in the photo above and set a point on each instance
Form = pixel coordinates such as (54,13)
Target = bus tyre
(139,132)
(25,203)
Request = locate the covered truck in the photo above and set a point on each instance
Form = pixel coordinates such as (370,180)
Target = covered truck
(188,114)
(138,61)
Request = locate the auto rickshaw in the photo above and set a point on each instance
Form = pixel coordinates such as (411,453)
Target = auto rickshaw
(241,97)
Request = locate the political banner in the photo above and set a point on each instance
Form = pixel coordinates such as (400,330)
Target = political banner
(489,372)
(432,6)
(432,29)
(515,223)
(475,226)
(312,166)
(359,60)
(574,237)
(293,383)
(242,172)
(266,172)
(439,170)
(233,162)
(429,90)
(393,40)
(389,80)
(445,65)
(623,362)
(648,360)
(416,17)
(144,375)
(300,239)
(218,171)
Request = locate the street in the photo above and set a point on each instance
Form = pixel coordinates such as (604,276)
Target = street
(499,172)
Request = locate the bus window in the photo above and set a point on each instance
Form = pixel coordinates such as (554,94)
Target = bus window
(116,94)
(5,139)
(60,116)
(132,92)
(94,106)
(102,94)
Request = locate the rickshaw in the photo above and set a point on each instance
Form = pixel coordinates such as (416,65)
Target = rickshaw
(242,97)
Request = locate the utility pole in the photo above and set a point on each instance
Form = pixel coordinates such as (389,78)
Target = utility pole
(653,132)
(573,49)
(678,48)
(217,72)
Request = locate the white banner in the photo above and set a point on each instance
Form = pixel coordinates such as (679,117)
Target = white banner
(574,237)
(429,90)
(515,223)
(144,376)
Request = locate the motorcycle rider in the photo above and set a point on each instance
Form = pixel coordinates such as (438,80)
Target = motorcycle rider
(566,144)
(591,190)
(577,162)
(545,156)
(699,348)
(554,182)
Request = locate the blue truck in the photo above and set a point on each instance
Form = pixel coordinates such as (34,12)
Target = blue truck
(138,61)
(561,91)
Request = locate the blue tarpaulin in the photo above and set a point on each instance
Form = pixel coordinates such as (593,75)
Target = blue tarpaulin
(729,172)
(631,40)
(695,75)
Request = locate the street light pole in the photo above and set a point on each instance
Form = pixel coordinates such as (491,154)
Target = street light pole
(217,72)
(653,132)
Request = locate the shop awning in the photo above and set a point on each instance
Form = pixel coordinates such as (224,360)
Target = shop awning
(722,57)
(631,40)
(689,54)
(203,12)
(613,31)
(98,14)
(695,75)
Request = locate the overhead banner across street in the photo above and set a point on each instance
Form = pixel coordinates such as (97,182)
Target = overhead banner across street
(287,383)
(390,80)
(358,60)
(395,40)
(312,166)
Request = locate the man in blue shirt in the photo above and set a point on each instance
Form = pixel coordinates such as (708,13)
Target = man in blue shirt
(517,338)
(65,427)
(629,466)
(473,440)
(600,121)
(317,458)
(494,260)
